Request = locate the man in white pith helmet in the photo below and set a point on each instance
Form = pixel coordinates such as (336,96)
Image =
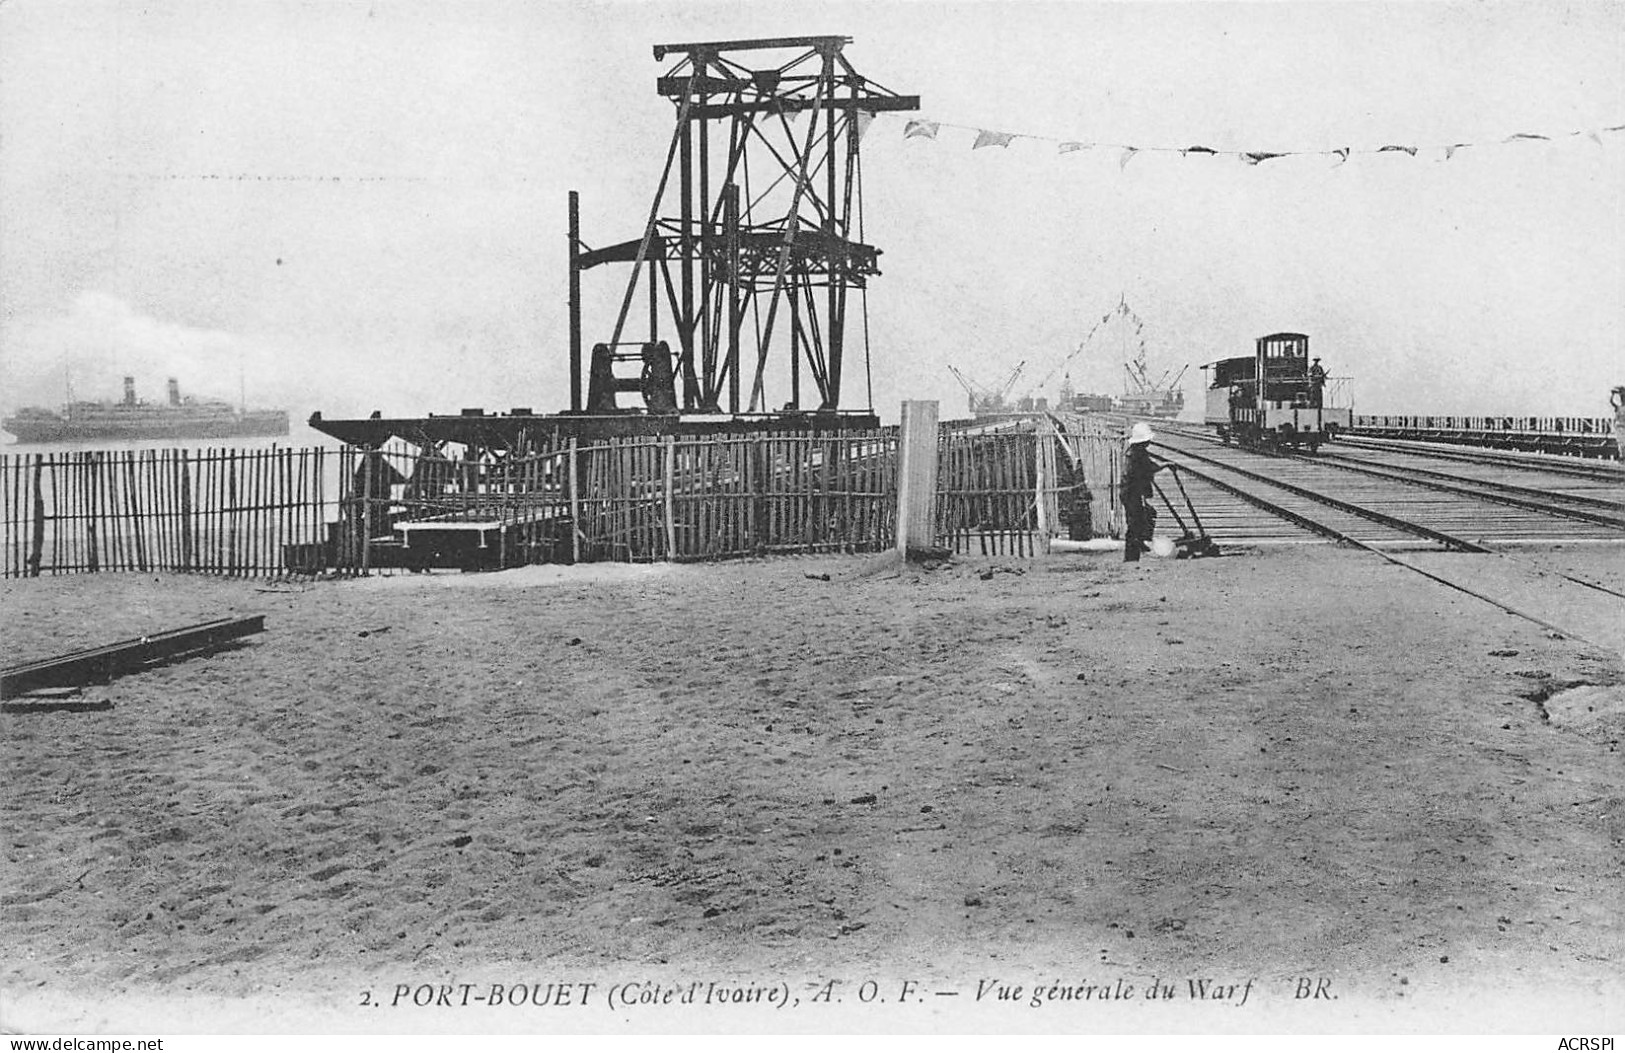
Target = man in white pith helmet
(1139,468)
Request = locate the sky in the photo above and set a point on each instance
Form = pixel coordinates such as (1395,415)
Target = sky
(347,206)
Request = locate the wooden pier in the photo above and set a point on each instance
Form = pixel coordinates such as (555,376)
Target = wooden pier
(1001,489)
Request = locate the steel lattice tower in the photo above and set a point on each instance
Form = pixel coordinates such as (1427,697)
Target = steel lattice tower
(747,278)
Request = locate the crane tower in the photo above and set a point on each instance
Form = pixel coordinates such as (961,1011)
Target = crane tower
(753,245)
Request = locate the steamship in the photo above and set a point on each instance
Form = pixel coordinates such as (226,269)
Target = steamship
(132,418)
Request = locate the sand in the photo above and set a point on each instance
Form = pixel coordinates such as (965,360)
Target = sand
(1288,766)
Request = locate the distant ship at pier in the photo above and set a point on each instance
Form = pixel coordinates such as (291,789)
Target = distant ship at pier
(1144,394)
(1166,403)
(132,418)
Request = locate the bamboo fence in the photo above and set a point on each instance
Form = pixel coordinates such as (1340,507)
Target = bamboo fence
(1001,492)
(987,493)
(633,499)
(1088,471)
(222,511)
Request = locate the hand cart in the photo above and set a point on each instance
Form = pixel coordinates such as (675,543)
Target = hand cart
(1192,544)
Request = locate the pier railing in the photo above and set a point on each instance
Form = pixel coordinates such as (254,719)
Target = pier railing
(1582,436)
(1543,425)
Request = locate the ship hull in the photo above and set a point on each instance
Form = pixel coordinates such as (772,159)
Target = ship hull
(1154,408)
(34,431)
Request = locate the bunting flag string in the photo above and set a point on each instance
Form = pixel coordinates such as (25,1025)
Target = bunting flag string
(919,128)
(1122,310)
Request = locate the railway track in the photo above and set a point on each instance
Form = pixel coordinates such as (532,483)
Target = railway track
(1592,503)
(1385,498)
(1542,463)
(1387,503)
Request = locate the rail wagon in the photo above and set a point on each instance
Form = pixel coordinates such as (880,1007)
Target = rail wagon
(1288,407)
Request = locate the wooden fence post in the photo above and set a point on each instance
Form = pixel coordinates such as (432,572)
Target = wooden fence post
(1044,482)
(917,477)
(91,504)
(671,478)
(36,552)
(185,563)
(366,513)
(575,504)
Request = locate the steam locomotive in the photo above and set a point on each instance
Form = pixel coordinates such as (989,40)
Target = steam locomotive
(1288,408)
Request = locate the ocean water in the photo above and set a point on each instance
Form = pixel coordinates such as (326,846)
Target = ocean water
(300,436)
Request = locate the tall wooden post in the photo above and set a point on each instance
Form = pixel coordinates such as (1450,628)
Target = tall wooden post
(575,303)
(917,477)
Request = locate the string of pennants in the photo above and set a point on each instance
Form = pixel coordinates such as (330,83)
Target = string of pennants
(919,128)
(1122,310)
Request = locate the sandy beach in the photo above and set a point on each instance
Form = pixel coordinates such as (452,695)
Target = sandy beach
(1287,764)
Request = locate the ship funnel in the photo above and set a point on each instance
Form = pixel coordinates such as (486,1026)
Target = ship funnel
(174,392)
(129,391)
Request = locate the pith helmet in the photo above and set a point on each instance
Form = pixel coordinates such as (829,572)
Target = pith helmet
(1141,432)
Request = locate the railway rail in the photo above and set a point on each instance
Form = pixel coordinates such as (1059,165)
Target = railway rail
(1545,463)
(1411,516)
(1588,507)
(1376,497)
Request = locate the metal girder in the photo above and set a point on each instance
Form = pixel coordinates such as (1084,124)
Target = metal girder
(780,102)
(625,252)
(662,50)
(498,433)
(101,664)
(880,104)
(812,252)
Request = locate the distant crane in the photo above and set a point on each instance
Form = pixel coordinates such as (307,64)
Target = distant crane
(986,401)
(1140,377)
